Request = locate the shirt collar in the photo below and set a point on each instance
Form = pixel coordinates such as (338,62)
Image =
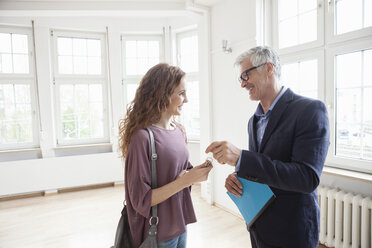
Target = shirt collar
(259,110)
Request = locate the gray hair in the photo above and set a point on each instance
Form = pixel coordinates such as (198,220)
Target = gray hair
(260,55)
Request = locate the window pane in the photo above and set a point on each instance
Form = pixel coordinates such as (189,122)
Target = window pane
(290,76)
(302,77)
(5,43)
(80,65)
(288,32)
(353,116)
(308,77)
(94,48)
(367,65)
(348,105)
(94,65)
(20,63)
(64,46)
(307,30)
(97,128)
(6,63)
(189,54)
(19,43)
(16,114)
(190,116)
(297,22)
(367,103)
(81,109)
(131,92)
(142,65)
(142,49)
(306,5)
(349,70)
(96,111)
(131,49)
(25,131)
(349,15)
(66,93)
(287,8)
(95,93)
(367,13)
(65,64)
(131,66)
(22,93)
(154,49)
(79,47)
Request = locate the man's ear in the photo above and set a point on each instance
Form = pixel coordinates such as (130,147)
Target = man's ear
(270,68)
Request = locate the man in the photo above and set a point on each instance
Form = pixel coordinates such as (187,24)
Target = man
(288,144)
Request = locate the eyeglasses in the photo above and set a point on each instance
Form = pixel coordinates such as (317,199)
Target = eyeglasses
(244,76)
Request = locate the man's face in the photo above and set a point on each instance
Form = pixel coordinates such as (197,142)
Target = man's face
(256,82)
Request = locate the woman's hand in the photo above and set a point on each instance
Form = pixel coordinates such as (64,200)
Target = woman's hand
(197,174)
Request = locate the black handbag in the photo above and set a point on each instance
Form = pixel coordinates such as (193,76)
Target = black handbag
(123,236)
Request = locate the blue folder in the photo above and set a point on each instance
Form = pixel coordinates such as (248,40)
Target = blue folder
(254,200)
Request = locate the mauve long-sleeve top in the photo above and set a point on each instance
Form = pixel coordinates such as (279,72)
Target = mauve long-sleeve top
(173,157)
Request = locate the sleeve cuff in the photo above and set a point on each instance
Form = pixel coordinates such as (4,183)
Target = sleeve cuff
(237,166)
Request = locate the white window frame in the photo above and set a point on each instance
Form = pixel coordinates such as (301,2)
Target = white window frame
(313,44)
(341,162)
(24,78)
(60,79)
(135,79)
(325,48)
(190,76)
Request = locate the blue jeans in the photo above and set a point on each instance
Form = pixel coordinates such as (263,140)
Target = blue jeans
(177,242)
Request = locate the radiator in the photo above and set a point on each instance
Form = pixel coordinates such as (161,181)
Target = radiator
(345,219)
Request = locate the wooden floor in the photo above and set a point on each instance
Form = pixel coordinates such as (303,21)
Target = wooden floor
(88,219)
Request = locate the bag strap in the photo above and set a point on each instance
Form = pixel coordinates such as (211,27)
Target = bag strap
(154,181)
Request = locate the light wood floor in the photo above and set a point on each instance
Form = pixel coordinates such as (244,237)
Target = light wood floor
(88,219)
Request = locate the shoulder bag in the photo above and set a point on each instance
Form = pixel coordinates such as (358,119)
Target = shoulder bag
(123,236)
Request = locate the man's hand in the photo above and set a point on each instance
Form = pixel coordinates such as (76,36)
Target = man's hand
(224,152)
(233,185)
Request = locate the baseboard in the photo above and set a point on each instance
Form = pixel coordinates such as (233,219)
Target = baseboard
(228,210)
(59,191)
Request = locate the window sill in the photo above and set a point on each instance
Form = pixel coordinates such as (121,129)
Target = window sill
(65,147)
(193,141)
(76,150)
(360,176)
(20,154)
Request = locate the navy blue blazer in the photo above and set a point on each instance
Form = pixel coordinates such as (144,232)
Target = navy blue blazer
(290,160)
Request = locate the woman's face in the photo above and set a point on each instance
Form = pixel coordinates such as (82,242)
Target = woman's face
(177,99)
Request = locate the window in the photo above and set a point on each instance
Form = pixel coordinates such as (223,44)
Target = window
(342,58)
(18,120)
(352,15)
(80,88)
(297,22)
(353,100)
(302,77)
(139,54)
(188,61)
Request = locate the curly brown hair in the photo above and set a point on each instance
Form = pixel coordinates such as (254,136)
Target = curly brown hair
(151,99)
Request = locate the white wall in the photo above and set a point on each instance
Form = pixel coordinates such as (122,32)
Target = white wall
(233,20)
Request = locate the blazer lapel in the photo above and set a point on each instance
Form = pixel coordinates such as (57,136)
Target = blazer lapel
(275,115)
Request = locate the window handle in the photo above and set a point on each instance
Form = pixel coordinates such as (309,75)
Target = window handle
(330,2)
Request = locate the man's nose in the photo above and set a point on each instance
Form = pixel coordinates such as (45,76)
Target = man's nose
(243,84)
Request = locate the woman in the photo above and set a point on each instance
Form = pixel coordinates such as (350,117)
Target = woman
(159,97)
